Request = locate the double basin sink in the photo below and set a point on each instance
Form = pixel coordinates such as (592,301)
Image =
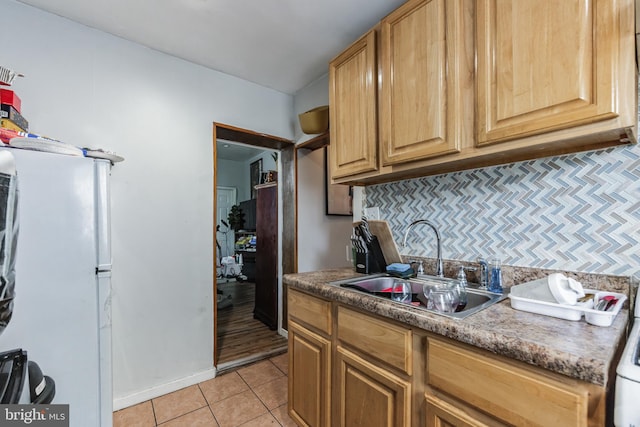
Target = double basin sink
(378,285)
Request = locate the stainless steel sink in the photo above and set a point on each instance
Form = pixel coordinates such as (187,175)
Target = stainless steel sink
(378,285)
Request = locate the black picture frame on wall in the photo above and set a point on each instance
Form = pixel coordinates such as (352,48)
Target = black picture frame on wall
(338,197)
(255,172)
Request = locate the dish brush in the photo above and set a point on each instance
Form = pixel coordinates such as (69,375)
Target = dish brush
(7,76)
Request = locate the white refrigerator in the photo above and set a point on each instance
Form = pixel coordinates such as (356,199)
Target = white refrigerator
(62,306)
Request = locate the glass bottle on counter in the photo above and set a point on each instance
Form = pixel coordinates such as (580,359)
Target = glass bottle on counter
(495,275)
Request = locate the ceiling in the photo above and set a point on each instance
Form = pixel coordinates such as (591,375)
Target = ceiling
(280,44)
(227,150)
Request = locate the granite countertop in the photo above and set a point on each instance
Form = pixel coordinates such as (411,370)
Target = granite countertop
(573,348)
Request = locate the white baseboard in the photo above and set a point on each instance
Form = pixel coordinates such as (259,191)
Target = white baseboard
(283,332)
(151,393)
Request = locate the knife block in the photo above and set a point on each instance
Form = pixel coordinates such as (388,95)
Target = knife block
(371,261)
(366,263)
(363,262)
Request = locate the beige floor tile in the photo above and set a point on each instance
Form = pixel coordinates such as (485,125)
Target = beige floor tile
(199,418)
(238,409)
(178,403)
(282,362)
(260,373)
(282,415)
(273,393)
(224,386)
(140,415)
(188,407)
(262,421)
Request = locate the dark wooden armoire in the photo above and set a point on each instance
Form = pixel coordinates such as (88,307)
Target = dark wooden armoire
(266,309)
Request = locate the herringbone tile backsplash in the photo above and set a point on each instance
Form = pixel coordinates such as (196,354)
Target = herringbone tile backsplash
(576,212)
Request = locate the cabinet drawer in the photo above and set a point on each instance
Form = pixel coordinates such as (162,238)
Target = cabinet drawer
(310,310)
(515,394)
(390,343)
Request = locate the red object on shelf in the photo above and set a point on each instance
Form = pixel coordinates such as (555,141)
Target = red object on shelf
(9,97)
(7,134)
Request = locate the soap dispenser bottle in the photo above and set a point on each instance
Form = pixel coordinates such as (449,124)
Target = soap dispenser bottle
(495,275)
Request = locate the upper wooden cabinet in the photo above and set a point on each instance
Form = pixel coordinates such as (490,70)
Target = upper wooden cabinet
(471,83)
(424,75)
(353,112)
(423,69)
(545,65)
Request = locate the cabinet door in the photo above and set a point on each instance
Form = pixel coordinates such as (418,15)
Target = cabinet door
(545,65)
(421,100)
(309,377)
(369,395)
(353,115)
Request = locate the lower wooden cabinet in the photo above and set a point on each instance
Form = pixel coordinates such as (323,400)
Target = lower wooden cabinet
(351,368)
(369,395)
(309,376)
(513,392)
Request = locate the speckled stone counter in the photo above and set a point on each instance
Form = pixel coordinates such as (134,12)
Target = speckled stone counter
(576,349)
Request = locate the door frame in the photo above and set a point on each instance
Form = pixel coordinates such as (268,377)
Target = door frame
(286,181)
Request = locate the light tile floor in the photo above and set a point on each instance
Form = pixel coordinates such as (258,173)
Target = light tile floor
(251,396)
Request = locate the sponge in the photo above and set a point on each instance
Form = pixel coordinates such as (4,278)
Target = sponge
(401,270)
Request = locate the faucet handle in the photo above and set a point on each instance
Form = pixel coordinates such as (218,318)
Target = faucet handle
(420,267)
(462,277)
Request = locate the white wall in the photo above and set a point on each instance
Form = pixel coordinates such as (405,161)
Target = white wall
(92,89)
(322,239)
(268,163)
(236,173)
(232,174)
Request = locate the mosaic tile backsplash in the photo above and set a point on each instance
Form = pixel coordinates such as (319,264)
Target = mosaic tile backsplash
(577,212)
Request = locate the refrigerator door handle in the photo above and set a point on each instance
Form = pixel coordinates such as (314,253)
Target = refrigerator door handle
(104,334)
(102,170)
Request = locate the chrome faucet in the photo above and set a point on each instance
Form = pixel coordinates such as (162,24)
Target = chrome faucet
(439,266)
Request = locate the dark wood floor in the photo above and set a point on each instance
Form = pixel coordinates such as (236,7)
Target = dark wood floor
(239,334)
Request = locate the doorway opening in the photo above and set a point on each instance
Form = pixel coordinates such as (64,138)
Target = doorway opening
(241,333)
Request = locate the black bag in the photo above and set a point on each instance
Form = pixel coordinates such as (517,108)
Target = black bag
(8,245)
